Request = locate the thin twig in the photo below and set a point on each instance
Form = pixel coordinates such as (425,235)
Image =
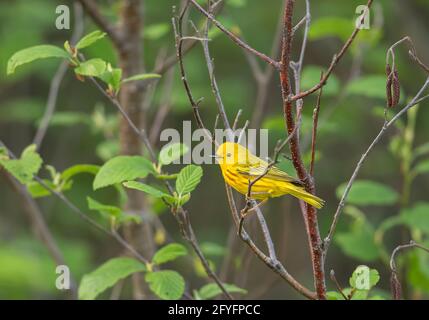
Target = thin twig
(234,38)
(336,58)
(276,267)
(386,125)
(80,213)
(334,279)
(314,130)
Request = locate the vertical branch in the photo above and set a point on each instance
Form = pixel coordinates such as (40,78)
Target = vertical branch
(311,213)
(314,130)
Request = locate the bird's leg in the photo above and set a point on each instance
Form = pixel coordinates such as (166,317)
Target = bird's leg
(249,208)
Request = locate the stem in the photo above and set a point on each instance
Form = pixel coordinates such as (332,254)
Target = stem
(311,213)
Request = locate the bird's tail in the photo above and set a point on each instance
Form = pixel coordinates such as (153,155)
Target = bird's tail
(311,199)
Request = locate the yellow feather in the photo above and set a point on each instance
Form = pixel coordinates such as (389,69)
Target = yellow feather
(240,167)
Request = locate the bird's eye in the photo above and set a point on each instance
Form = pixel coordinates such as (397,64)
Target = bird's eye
(228,154)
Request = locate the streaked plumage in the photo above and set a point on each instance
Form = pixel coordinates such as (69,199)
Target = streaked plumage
(239,165)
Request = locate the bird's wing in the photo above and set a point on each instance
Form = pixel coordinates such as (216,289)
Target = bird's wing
(257,168)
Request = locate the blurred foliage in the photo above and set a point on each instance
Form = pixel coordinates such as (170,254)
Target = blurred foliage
(387,205)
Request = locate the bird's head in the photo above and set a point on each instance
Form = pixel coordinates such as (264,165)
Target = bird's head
(232,153)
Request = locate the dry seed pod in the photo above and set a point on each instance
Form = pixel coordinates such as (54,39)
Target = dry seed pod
(389,85)
(396,88)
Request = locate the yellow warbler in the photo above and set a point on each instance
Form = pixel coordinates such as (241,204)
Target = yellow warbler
(239,165)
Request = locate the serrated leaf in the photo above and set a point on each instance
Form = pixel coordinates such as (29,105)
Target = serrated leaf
(34,53)
(147,189)
(142,76)
(172,152)
(122,168)
(169,252)
(188,179)
(364,192)
(90,39)
(107,275)
(166,284)
(24,168)
(91,68)
(211,290)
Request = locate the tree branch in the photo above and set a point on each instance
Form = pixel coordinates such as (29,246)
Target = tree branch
(234,38)
(310,214)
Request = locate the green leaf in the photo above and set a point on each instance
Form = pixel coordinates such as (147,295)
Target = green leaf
(169,252)
(373,86)
(25,167)
(105,210)
(107,275)
(91,68)
(311,76)
(142,76)
(166,284)
(417,217)
(211,290)
(172,152)
(156,31)
(334,295)
(90,39)
(122,168)
(188,179)
(147,189)
(331,27)
(365,192)
(34,53)
(364,278)
(112,77)
(38,191)
(69,173)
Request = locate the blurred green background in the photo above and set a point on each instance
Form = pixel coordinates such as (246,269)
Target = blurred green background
(84,130)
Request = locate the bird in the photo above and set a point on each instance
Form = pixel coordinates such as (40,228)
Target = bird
(240,167)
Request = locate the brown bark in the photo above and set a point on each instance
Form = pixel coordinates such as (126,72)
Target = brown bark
(310,213)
